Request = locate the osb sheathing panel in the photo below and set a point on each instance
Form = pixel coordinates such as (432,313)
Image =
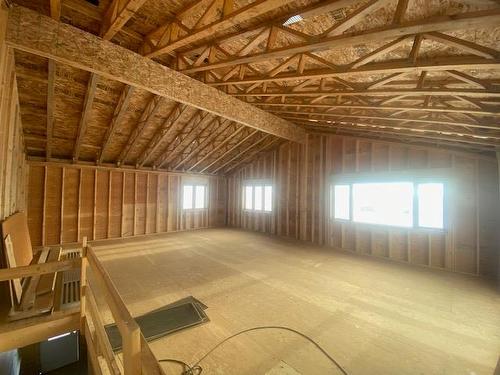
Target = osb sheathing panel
(31,31)
(69,202)
(301,175)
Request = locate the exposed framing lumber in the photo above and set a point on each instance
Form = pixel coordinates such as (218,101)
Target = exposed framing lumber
(50,107)
(389,118)
(117,15)
(243,152)
(162,133)
(147,116)
(216,148)
(373,106)
(231,149)
(93,54)
(469,20)
(205,122)
(120,109)
(201,146)
(430,65)
(254,9)
(55,9)
(87,106)
(379,92)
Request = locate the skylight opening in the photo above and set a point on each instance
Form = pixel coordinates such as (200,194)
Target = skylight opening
(293,19)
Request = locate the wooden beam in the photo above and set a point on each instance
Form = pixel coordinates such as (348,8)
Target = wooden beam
(50,107)
(120,109)
(87,106)
(208,154)
(379,92)
(231,149)
(26,28)
(243,153)
(252,10)
(205,121)
(170,123)
(384,108)
(117,15)
(55,9)
(450,63)
(147,116)
(431,134)
(387,118)
(461,21)
(208,140)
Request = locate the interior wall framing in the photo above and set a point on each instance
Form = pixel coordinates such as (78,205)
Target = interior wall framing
(68,202)
(12,156)
(302,175)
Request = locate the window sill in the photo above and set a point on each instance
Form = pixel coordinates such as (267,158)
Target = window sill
(257,212)
(390,227)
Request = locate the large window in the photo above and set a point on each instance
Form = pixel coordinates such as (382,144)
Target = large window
(258,196)
(194,197)
(396,203)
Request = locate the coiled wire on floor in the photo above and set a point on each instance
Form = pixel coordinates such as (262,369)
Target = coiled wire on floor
(196,369)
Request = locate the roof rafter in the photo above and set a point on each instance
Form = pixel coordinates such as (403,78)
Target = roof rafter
(441,23)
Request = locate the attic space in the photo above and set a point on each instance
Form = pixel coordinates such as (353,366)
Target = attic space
(275,187)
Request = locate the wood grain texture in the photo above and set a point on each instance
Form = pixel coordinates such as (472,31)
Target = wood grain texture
(468,244)
(373,316)
(116,203)
(43,36)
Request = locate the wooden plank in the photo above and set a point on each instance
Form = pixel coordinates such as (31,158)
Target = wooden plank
(243,14)
(87,106)
(120,109)
(96,55)
(469,20)
(50,106)
(117,15)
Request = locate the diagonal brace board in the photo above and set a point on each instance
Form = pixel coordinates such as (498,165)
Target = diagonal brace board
(34,33)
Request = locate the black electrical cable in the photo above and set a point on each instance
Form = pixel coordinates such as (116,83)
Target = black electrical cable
(188,370)
(196,368)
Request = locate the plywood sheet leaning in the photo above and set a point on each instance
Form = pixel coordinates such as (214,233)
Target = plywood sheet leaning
(16,227)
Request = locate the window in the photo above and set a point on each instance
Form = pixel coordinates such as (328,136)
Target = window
(383,203)
(342,202)
(194,197)
(430,205)
(406,204)
(257,197)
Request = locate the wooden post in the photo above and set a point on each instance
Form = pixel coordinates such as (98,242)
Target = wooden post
(83,285)
(132,352)
(61,219)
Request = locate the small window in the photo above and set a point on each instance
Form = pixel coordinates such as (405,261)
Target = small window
(194,197)
(258,197)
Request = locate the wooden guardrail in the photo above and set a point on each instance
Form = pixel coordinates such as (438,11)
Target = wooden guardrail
(137,357)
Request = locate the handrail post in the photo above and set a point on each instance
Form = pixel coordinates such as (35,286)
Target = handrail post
(83,285)
(132,351)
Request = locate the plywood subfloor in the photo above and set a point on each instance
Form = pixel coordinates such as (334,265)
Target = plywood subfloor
(373,316)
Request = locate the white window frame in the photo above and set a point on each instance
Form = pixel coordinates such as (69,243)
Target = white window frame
(253,184)
(193,199)
(416,177)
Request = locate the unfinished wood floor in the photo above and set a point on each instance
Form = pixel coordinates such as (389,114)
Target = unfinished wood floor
(373,316)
